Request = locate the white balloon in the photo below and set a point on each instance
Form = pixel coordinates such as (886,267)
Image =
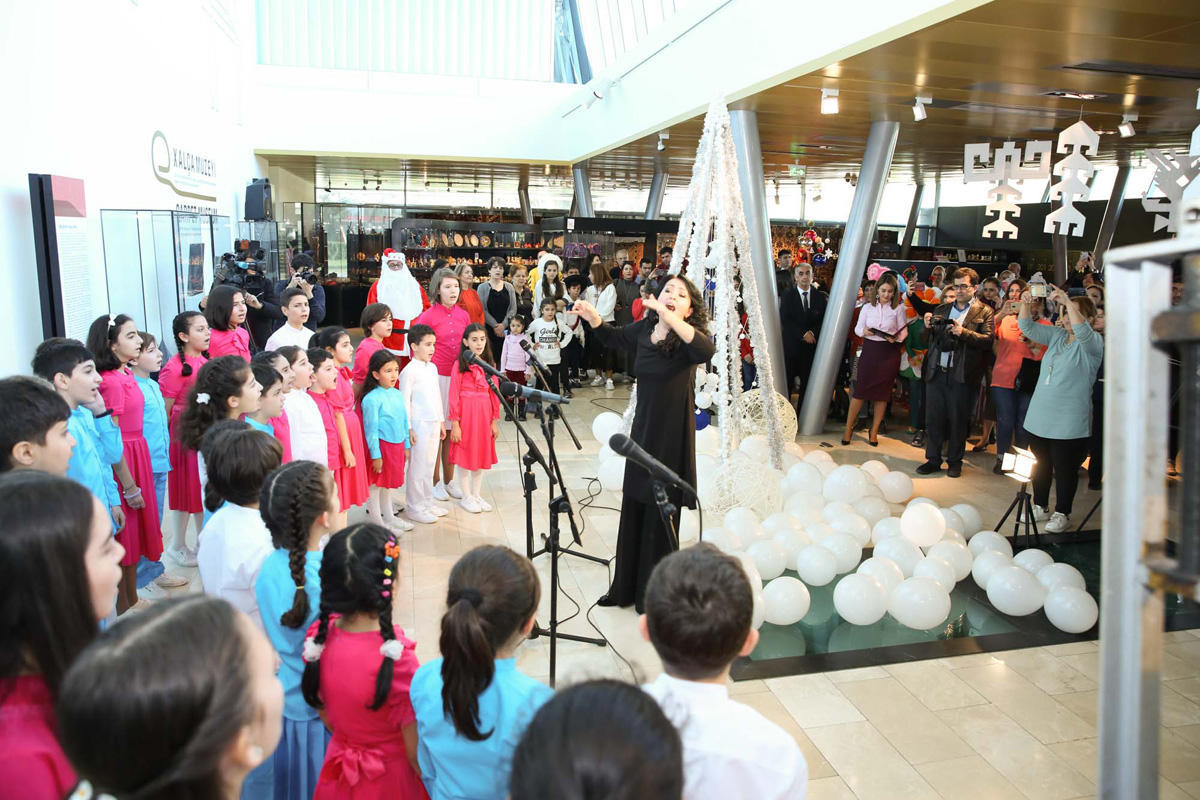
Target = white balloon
(883,570)
(1071,609)
(689,525)
(873,490)
(826,468)
(872,509)
(834,509)
(769,557)
(846,483)
(801,502)
(952,535)
(786,601)
(725,540)
(896,487)
(816,565)
(875,468)
(989,540)
(605,425)
(854,525)
(955,554)
(922,524)
(756,581)
(818,530)
(1015,591)
(860,599)
(612,474)
(900,550)
(805,477)
(953,520)
(792,541)
(917,500)
(794,448)
(938,569)
(1054,575)
(888,526)
(712,380)
(708,440)
(1032,559)
(970,517)
(606,453)
(986,564)
(706,464)
(815,457)
(789,460)
(756,447)
(919,603)
(703,399)
(847,550)
(781,520)
(743,522)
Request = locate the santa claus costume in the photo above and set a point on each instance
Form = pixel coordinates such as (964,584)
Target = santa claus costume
(400,291)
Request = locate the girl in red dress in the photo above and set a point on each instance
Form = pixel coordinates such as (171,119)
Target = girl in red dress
(353,485)
(114,341)
(225,310)
(191,334)
(474,418)
(358,670)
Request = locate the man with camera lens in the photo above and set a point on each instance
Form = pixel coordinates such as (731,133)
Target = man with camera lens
(262,310)
(302,275)
(960,337)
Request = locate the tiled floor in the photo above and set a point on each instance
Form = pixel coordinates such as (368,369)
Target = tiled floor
(1018,724)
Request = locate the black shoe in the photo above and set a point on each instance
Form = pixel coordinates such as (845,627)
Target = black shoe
(508,417)
(522,416)
(607,601)
(997,468)
(954,470)
(874,443)
(568,394)
(845,442)
(918,439)
(929,467)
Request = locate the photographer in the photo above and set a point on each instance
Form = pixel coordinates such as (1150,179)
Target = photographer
(960,338)
(302,274)
(262,309)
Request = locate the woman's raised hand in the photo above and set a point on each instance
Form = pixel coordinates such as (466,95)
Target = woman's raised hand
(586,310)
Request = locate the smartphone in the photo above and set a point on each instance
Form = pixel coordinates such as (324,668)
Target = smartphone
(1038,290)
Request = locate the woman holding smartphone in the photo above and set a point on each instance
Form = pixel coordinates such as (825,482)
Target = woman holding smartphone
(882,325)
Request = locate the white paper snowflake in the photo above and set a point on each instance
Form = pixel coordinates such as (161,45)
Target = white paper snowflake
(978,166)
(1174,170)
(1080,141)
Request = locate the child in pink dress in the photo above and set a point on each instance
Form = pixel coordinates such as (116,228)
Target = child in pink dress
(376,321)
(354,487)
(191,334)
(324,382)
(474,418)
(358,670)
(114,341)
(225,310)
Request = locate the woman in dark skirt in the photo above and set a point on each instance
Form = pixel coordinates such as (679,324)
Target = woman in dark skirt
(881,324)
(666,344)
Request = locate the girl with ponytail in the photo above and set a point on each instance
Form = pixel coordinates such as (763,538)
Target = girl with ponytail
(373,752)
(184,496)
(299,505)
(472,704)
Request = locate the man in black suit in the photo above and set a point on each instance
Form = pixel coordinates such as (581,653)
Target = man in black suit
(801,311)
(960,338)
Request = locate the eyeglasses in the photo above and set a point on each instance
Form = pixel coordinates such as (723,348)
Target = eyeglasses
(961,286)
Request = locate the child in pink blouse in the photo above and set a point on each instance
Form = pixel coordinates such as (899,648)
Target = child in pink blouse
(324,382)
(225,310)
(474,418)
(514,361)
(358,668)
(191,333)
(376,322)
(354,486)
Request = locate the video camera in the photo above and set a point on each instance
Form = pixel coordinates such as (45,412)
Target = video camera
(240,268)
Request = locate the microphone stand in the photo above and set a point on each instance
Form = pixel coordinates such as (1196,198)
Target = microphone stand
(539,368)
(667,511)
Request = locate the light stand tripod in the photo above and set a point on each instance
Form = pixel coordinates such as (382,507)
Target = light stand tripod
(1023,503)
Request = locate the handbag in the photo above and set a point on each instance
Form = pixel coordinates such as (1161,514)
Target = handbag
(1027,376)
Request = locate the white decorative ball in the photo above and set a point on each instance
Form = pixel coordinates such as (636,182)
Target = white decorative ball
(919,603)
(743,522)
(789,460)
(1033,559)
(826,468)
(612,474)
(872,509)
(704,399)
(794,449)
(986,564)
(888,526)
(815,457)
(922,524)
(989,540)
(708,440)
(875,468)
(805,477)
(801,503)
(873,489)
(847,550)
(835,509)
(818,530)
(952,535)
(1015,591)
(953,520)
(900,550)
(970,517)
(605,425)
(780,520)
(725,540)
(689,525)
(711,381)
(846,483)
(756,447)
(917,500)
(854,525)
(860,599)
(741,482)
(1071,609)
(1058,574)
(955,554)
(883,570)
(816,565)
(769,557)
(937,569)
(896,487)
(751,410)
(785,600)
(752,573)
(792,541)
(606,453)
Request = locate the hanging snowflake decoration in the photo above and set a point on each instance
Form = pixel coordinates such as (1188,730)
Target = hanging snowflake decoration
(1174,170)
(978,166)
(1075,170)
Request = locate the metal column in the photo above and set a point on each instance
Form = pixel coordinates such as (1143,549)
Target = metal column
(1112,212)
(658,187)
(523,197)
(748,148)
(583,191)
(910,227)
(1058,247)
(852,263)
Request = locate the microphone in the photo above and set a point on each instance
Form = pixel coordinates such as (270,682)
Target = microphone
(533,356)
(486,367)
(537,395)
(624,446)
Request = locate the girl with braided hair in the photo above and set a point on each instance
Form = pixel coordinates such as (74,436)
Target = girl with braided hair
(373,752)
(299,504)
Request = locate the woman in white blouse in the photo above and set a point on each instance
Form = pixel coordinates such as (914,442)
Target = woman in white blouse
(603,295)
(881,324)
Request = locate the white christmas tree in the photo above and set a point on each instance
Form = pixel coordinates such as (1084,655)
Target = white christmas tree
(714,239)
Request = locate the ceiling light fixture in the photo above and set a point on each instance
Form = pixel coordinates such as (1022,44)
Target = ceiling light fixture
(918,108)
(546,169)
(829,101)
(1126,127)
(662,137)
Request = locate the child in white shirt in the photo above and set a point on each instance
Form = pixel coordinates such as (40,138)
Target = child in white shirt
(550,335)
(423,397)
(306,428)
(294,305)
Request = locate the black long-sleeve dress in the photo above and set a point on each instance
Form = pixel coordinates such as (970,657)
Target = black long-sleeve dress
(664,424)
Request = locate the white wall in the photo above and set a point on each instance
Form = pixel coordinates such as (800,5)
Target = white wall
(87,84)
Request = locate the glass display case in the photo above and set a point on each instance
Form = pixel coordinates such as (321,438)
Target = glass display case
(264,235)
(614,239)
(423,240)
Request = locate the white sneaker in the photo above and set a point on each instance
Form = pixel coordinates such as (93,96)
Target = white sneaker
(169,581)
(599,379)
(183,556)
(453,490)
(469,504)
(424,517)
(397,506)
(608,384)
(439,492)
(437,511)
(484,505)
(1039,514)
(400,524)
(1058,523)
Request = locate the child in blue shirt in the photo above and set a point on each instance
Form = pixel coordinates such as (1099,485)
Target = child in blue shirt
(467,751)
(155,429)
(300,506)
(385,421)
(270,405)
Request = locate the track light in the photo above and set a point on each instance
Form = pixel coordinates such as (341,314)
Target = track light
(662,137)
(1126,126)
(829,101)
(546,169)
(918,108)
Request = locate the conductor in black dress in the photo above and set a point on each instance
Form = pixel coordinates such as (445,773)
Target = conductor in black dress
(667,344)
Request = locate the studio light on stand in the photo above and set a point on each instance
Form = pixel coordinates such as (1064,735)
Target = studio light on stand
(829,101)
(1018,465)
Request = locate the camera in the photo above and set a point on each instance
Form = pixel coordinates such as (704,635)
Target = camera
(939,323)
(309,276)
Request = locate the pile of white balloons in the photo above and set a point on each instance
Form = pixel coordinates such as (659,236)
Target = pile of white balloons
(1020,585)
(611,467)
